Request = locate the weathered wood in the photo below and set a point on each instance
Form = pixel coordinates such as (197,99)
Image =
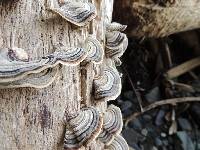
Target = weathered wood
(157,18)
(34,118)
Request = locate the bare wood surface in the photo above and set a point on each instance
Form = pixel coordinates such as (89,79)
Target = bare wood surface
(31,118)
(183,68)
(154,19)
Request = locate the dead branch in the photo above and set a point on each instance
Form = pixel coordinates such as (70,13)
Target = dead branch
(172,101)
(183,68)
(137,94)
(151,19)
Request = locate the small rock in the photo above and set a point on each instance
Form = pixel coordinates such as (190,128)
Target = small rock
(196,112)
(158,142)
(136,147)
(187,143)
(184,124)
(130,148)
(129,95)
(154,148)
(160,117)
(165,142)
(144,132)
(127,113)
(126,105)
(136,124)
(146,118)
(153,95)
(164,135)
(132,137)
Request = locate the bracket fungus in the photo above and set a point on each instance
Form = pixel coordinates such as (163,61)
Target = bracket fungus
(112,124)
(78,13)
(114,26)
(116,44)
(38,80)
(108,85)
(16,70)
(83,128)
(119,143)
(95,50)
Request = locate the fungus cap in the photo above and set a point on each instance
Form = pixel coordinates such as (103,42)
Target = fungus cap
(114,26)
(95,50)
(108,86)
(119,143)
(112,124)
(83,128)
(78,13)
(16,70)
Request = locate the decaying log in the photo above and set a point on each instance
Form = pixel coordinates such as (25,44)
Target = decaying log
(157,18)
(35,118)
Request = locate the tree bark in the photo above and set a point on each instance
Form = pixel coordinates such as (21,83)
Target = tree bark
(157,18)
(34,118)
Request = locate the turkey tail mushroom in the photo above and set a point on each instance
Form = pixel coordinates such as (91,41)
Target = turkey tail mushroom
(78,13)
(118,143)
(114,39)
(114,26)
(16,70)
(95,50)
(83,128)
(112,124)
(38,80)
(116,44)
(108,86)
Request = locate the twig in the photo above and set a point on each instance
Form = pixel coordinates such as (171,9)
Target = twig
(137,94)
(168,54)
(183,68)
(172,101)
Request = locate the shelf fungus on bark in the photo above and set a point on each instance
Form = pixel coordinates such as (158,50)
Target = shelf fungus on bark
(78,13)
(83,128)
(38,80)
(112,124)
(115,26)
(108,85)
(116,44)
(119,143)
(95,50)
(14,69)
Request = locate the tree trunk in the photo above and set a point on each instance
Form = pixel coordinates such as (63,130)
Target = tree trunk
(34,118)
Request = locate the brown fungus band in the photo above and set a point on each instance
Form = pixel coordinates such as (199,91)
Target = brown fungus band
(83,128)
(112,124)
(78,13)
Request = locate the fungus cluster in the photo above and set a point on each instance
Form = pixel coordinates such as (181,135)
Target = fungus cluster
(82,128)
(112,124)
(18,71)
(88,123)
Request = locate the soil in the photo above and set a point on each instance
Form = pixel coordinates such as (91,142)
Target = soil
(146,62)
